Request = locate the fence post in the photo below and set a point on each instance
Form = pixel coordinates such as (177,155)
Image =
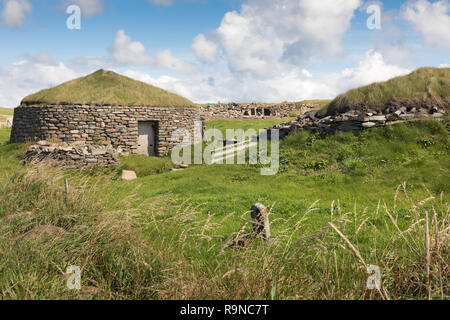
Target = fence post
(66,183)
(260,221)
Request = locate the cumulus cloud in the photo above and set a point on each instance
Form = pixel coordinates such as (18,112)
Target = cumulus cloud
(38,72)
(205,49)
(267,37)
(14,12)
(292,85)
(32,74)
(373,68)
(431,19)
(88,7)
(444,65)
(129,52)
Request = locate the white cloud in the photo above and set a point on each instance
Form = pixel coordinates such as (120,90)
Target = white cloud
(41,71)
(431,19)
(14,12)
(293,85)
(444,65)
(205,49)
(129,52)
(88,7)
(373,68)
(267,37)
(30,75)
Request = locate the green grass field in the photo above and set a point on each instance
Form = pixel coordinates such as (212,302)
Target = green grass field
(257,125)
(170,235)
(5,113)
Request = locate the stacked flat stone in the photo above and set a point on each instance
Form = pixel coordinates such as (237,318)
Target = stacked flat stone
(101,124)
(75,156)
(251,110)
(355,121)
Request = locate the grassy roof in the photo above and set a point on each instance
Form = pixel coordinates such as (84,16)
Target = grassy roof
(107,87)
(424,83)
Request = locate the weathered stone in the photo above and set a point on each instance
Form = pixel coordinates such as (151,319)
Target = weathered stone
(128,175)
(438,115)
(98,152)
(369,124)
(377,118)
(43,143)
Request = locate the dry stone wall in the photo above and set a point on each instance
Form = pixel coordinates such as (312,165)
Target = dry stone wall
(75,156)
(356,121)
(108,125)
(251,110)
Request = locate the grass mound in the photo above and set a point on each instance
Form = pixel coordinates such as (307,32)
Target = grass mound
(106,87)
(424,84)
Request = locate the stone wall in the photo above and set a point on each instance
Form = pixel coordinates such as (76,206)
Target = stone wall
(76,156)
(109,125)
(356,121)
(251,110)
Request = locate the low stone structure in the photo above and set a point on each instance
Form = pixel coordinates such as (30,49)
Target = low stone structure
(356,121)
(75,156)
(252,110)
(117,126)
(130,116)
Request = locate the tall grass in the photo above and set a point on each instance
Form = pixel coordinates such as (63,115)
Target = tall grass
(42,233)
(327,263)
(164,251)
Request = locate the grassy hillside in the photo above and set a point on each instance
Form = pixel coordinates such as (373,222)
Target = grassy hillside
(167,235)
(424,84)
(107,87)
(6,113)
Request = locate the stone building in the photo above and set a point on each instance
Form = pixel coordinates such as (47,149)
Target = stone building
(105,108)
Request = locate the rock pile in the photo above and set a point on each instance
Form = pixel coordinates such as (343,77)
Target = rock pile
(74,156)
(356,121)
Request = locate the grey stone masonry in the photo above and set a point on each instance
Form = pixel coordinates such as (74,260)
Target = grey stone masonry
(356,121)
(76,156)
(101,125)
(252,110)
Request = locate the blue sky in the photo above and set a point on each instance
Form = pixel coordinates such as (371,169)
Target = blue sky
(221,50)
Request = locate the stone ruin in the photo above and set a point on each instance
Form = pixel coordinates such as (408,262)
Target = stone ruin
(77,155)
(358,120)
(252,110)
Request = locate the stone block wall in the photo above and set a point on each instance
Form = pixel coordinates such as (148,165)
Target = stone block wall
(76,156)
(251,110)
(108,125)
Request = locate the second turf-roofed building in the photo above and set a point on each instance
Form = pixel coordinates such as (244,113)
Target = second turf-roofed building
(106,108)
